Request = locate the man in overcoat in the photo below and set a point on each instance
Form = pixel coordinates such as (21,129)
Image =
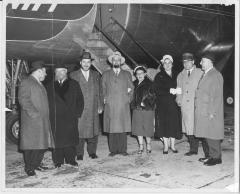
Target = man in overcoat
(117,92)
(66,106)
(209,115)
(35,134)
(188,80)
(89,125)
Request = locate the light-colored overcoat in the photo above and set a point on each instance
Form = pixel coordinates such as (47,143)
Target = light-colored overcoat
(188,84)
(88,124)
(117,92)
(35,130)
(209,101)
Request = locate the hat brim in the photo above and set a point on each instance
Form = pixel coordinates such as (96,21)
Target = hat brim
(209,58)
(69,67)
(36,68)
(116,56)
(80,58)
(188,60)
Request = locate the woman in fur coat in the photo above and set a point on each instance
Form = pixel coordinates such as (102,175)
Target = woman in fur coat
(143,109)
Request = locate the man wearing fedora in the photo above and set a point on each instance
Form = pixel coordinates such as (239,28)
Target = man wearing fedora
(88,124)
(66,106)
(35,135)
(188,80)
(209,118)
(117,92)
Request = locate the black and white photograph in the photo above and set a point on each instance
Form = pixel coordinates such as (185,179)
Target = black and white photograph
(124,96)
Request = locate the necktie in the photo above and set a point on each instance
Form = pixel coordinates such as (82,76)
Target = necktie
(188,73)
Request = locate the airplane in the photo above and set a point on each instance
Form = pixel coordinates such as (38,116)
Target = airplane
(143,33)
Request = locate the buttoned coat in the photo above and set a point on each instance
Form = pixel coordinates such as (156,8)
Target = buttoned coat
(167,112)
(88,124)
(117,117)
(188,84)
(65,106)
(35,130)
(209,101)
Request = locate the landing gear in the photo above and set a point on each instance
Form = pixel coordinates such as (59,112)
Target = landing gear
(12,127)
(16,71)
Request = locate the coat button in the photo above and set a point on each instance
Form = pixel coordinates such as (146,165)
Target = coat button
(186,91)
(187,100)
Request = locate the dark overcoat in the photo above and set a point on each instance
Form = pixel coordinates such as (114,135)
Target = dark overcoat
(35,130)
(66,106)
(209,101)
(167,113)
(117,92)
(143,96)
(88,124)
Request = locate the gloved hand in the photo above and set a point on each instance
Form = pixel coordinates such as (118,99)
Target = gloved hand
(178,90)
(173,91)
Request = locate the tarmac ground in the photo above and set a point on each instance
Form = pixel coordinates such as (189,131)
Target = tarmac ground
(147,171)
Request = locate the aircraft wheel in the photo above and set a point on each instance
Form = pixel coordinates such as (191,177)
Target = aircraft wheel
(12,127)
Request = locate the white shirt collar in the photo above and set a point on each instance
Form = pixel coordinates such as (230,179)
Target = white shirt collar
(117,70)
(85,74)
(61,81)
(169,73)
(191,69)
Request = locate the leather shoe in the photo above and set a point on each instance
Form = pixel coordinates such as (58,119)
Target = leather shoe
(93,156)
(74,163)
(30,172)
(124,154)
(165,152)
(58,165)
(190,153)
(174,151)
(41,168)
(203,159)
(80,157)
(213,161)
(112,154)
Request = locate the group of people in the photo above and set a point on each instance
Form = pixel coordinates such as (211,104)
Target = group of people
(64,114)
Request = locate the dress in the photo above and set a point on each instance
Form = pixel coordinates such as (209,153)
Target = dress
(143,105)
(167,113)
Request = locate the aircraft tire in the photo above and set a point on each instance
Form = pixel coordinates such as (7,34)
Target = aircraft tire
(12,127)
